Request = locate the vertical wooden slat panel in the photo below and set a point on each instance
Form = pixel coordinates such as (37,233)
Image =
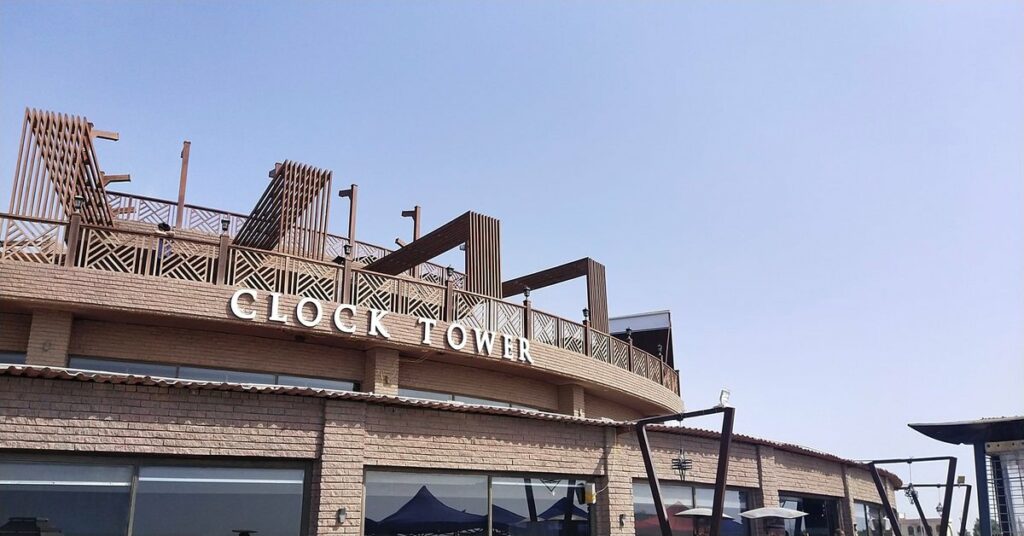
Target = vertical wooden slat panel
(597,295)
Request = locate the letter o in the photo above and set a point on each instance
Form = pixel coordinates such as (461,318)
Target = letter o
(451,340)
(316,307)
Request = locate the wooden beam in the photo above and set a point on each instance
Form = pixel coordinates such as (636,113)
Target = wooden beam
(545,278)
(105,135)
(430,245)
(107,179)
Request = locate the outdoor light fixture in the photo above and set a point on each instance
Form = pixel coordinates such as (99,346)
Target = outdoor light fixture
(660,348)
(224,224)
(526,292)
(341,515)
(961,479)
(348,250)
(629,335)
(79,201)
(586,313)
(449,272)
(339,260)
(938,508)
(723,398)
(162,226)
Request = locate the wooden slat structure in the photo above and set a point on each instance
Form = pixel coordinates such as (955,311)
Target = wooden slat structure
(597,286)
(480,233)
(57,162)
(291,216)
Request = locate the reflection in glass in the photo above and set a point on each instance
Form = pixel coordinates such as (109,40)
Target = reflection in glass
(678,498)
(527,506)
(228,376)
(178,501)
(316,383)
(123,367)
(79,500)
(425,503)
(12,358)
(822,517)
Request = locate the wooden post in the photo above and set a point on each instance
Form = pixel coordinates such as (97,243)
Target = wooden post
(353,195)
(180,214)
(222,259)
(449,300)
(415,215)
(629,339)
(586,338)
(346,282)
(73,237)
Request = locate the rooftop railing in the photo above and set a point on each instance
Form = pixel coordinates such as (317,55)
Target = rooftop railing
(218,262)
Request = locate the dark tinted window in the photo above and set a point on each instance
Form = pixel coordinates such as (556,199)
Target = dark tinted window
(425,503)
(527,506)
(12,358)
(316,383)
(79,500)
(122,367)
(218,375)
(174,501)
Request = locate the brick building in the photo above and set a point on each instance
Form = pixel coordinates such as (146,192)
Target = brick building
(170,369)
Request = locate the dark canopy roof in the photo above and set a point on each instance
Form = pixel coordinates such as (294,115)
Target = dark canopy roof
(972,432)
(425,514)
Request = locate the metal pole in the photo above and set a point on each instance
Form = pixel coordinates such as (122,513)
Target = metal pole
(920,512)
(967,510)
(180,214)
(659,504)
(723,470)
(890,514)
(947,500)
(981,481)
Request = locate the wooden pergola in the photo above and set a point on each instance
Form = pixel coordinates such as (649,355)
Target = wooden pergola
(56,163)
(597,289)
(480,233)
(292,214)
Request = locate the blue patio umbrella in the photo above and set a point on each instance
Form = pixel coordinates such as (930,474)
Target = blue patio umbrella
(559,509)
(425,514)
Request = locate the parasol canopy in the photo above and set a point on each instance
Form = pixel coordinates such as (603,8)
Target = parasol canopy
(773,511)
(700,512)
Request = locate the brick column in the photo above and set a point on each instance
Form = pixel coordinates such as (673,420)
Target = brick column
(615,502)
(848,506)
(48,339)
(381,374)
(338,476)
(571,400)
(768,494)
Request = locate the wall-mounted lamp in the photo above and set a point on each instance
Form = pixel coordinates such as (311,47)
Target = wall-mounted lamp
(341,515)
(78,203)
(586,314)
(526,292)
(449,272)
(660,349)
(348,250)
(224,224)
(629,335)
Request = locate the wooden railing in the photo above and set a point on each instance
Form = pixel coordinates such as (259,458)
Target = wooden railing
(221,263)
(131,207)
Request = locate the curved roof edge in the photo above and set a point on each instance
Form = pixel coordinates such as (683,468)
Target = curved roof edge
(973,432)
(58,373)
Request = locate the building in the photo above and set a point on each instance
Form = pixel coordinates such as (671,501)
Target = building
(998,464)
(176,369)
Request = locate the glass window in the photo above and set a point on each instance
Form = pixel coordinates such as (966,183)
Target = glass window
(528,506)
(822,517)
(176,501)
(78,500)
(219,375)
(860,520)
(316,383)
(122,367)
(420,503)
(480,401)
(679,498)
(12,358)
(426,395)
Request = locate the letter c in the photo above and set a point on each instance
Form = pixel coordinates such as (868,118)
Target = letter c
(235,310)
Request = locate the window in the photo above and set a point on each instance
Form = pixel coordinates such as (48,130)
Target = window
(449,397)
(204,374)
(457,504)
(172,501)
(169,500)
(80,500)
(12,358)
(822,517)
(680,497)
(868,520)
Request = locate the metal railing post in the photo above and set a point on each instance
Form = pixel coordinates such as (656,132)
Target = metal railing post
(222,259)
(73,237)
(527,319)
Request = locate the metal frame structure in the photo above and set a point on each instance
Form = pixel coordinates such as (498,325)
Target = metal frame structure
(725,441)
(967,503)
(947,496)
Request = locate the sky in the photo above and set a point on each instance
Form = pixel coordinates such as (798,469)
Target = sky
(827,195)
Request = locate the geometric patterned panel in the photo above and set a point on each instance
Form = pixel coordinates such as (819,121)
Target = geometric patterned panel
(423,300)
(209,221)
(181,259)
(641,362)
(256,270)
(472,310)
(432,273)
(375,291)
(544,328)
(32,241)
(313,279)
(367,253)
(508,318)
(103,249)
(599,346)
(620,353)
(572,336)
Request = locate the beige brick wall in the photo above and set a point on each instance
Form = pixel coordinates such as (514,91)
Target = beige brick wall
(48,339)
(14,330)
(346,437)
(598,407)
(482,383)
(212,349)
(382,371)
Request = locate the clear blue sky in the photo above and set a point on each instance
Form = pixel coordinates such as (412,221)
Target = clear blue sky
(827,195)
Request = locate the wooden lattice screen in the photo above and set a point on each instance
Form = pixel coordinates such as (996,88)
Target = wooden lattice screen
(291,215)
(56,162)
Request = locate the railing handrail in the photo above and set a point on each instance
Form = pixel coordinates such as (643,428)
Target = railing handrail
(636,355)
